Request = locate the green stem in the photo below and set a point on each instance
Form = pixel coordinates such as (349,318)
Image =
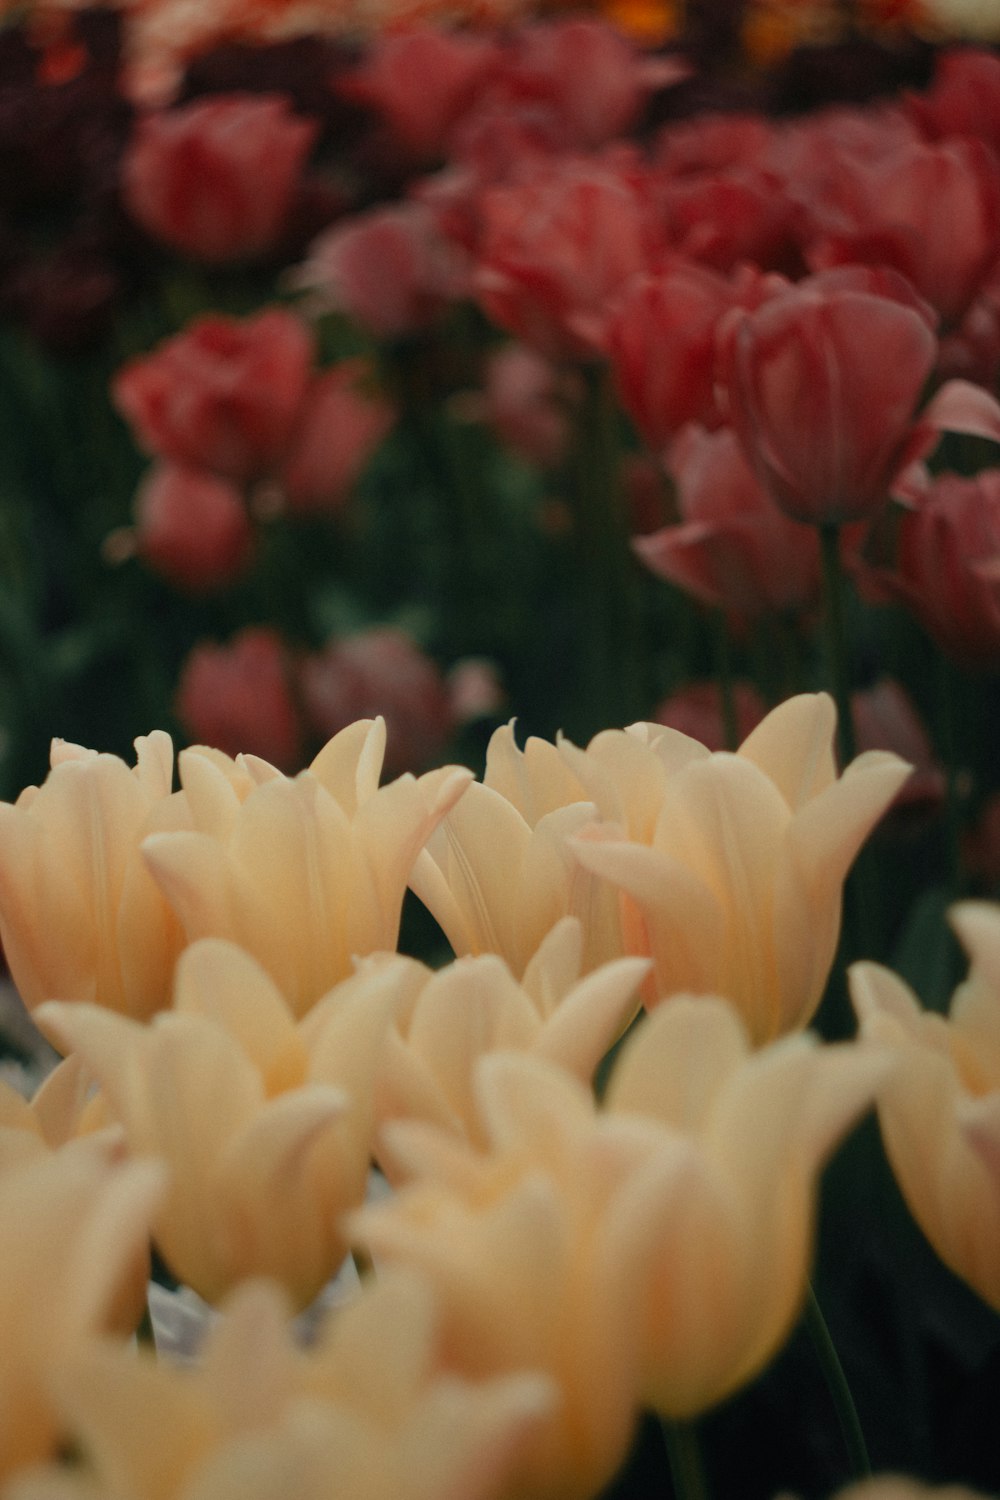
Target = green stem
(946,720)
(684,1455)
(608,687)
(840,1391)
(836,638)
(724,672)
(144,1333)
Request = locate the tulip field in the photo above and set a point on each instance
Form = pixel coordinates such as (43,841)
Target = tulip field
(499,750)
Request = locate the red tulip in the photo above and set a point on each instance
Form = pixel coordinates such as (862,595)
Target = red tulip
(192,527)
(236,698)
(215,179)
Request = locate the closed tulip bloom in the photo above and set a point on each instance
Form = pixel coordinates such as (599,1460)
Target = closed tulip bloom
(736,887)
(190,527)
(940,1107)
(72,1225)
(447,1020)
(822,385)
(733,549)
(498,873)
(215,179)
(362,1415)
(264,1124)
(80,916)
(304,873)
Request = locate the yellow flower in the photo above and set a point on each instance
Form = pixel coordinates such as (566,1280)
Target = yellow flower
(80,916)
(72,1225)
(303,873)
(654,1253)
(264,1124)
(363,1416)
(449,1019)
(940,1108)
(498,873)
(734,884)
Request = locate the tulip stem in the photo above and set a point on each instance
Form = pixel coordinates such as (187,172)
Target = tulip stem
(840,1391)
(724,670)
(836,638)
(684,1455)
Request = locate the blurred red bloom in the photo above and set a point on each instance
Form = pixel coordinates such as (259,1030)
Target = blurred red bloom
(215,179)
(339,428)
(527,403)
(555,252)
(947,568)
(389,269)
(237,698)
(421,81)
(381,671)
(822,385)
(696,710)
(223,395)
(734,549)
(191,527)
(885,719)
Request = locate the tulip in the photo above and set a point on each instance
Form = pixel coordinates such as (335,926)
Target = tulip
(653,1253)
(223,395)
(80,916)
(363,1415)
(215,179)
(498,874)
(734,874)
(265,1125)
(940,1108)
(72,1226)
(238,697)
(822,386)
(338,430)
(192,528)
(445,1021)
(734,549)
(306,873)
(947,567)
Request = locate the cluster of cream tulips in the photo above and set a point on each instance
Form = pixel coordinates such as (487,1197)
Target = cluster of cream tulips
(217,964)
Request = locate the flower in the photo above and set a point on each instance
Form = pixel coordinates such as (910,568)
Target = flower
(447,1020)
(238,697)
(304,873)
(224,395)
(80,916)
(339,427)
(733,549)
(822,385)
(652,1253)
(734,872)
(498,873)
(191,527)
(72,1226)
(555,251)
(939,1108)
(264,1125)
(947,567)
(215,179)
(364,1415)
(381,671)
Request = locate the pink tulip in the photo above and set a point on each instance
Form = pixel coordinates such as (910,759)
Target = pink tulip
(192,528)
(222,395)
(236,698)
(734,549)
(339,429)
(215,179)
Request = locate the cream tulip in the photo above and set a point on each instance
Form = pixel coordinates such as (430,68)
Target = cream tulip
(304,873)
(365,1415)
(498,873)
(447,1020)
(80,916)
(651,1253)
(73,1224)
(265,1125)
(940,1108)
(736,888)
